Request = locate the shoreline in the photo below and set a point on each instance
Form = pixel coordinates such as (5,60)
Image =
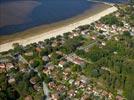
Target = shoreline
(48,27)
(56,28)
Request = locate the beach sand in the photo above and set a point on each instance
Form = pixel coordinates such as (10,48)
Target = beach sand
(47,31)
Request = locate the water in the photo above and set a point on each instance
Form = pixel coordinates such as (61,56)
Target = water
(19,15)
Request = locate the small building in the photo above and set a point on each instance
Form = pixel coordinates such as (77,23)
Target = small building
(51,85)
(118,97)
(11,80)
(75,59)
(37,87)
(71,93)
(62,64)
(9,66)
(45,58)
(103,43)
(29,97)
(38,49)
(34,80)
(55,96)
(2,68)
(28,54)
(59,53)
(85,32)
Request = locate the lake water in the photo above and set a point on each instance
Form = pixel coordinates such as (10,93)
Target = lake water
(19,15)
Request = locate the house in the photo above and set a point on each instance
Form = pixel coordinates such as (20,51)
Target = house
(55,96)
(11,80)
(104,93)
(71,93)
(103,43)
(117,14)
(2,68)
(45,58)
(132,33)
(48,69)
(71,81)
(50,66)
(38,49)
(34,80)
(54,44)
(28,54)
(84,79)
(59,53)
(62,63)
(75,59)
(37,87)
(9,66)
(51,85)
(132,29)
(85,32)
(75,34)
(29,97)
(85,97)
(93,37)
(77,83)
(118,97)
(61,88)
(50,55)
(66,73)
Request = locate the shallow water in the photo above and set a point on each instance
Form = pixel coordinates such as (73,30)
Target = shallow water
(19,15)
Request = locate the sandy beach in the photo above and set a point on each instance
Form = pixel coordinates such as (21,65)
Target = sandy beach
(57,31)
